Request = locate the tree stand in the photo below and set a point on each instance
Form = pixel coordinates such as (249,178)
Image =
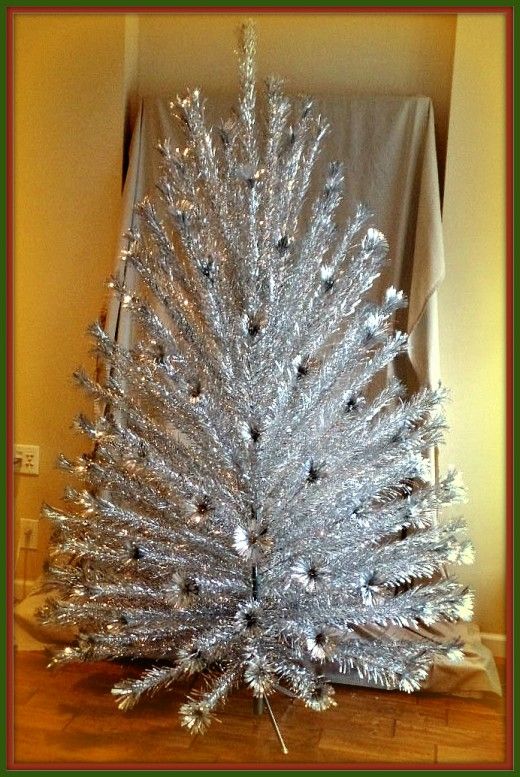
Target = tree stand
(258,709)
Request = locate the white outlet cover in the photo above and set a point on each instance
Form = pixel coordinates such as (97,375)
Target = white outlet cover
(27,459)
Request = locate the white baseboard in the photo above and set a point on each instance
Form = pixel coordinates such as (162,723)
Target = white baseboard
(495,642)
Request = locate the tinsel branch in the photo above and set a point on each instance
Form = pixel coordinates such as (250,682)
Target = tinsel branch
(257,501)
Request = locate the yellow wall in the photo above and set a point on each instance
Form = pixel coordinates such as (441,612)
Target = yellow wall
(74,78)
(69,105)
(472,299)
(405,54)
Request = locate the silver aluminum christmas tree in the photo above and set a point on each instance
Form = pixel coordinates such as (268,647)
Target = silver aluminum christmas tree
(253,501)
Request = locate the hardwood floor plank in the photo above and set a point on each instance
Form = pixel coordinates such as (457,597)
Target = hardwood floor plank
(377,749)
(458,737)
(46,708)
(489,704)
(462,715)
(69,715)
(487,753)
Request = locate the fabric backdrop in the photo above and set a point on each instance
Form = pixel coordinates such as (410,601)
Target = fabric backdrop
(387,145)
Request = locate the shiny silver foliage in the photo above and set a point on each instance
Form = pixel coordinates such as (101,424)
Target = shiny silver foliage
(252,503)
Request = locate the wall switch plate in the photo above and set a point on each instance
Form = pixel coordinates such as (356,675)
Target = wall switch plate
(29,538)
(27,459)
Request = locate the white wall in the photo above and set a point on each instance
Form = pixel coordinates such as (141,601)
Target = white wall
(68,125)
(472,299)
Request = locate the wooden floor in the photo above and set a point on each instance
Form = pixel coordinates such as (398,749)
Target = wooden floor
(67,715)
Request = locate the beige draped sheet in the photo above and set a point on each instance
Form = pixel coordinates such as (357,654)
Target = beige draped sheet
(387,145)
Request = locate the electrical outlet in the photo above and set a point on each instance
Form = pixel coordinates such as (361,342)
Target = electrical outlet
(29,534)
(27,459)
